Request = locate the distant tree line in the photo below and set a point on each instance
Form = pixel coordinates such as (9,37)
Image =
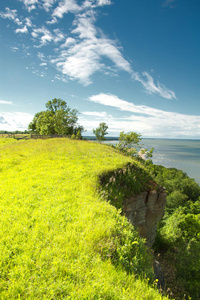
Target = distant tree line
(14,132)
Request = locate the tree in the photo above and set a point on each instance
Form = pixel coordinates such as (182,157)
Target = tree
(100,131)
(130,143)
(58,118)
(129,140)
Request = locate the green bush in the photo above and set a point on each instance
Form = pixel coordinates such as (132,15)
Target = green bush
(181,233)
(121,183)
(178,233)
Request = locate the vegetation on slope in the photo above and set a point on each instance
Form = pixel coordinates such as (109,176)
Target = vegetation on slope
(178,236)
(58,239)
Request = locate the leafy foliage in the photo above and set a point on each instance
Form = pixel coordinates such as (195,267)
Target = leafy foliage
(57,119)
(179,230)
(129,143)
(100,131)
(182,233)
(121,183)
(128,140)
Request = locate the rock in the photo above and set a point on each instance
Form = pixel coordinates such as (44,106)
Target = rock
(159,275)
(144,211)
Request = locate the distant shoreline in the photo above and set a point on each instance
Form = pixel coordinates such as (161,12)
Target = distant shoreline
(93,138)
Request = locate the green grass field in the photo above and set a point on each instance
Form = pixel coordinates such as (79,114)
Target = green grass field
(58,238)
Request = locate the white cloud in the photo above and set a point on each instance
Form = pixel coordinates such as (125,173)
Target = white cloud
(41,56)
(22,30)
(85,53)
(43,34)
(12,121)
(6,102)
(53,21)
(61,78)
(48,4)
(104,2)
(14,49)
(28,22)
(150,122)
(30,4)
(86,50)
(69,41)
(43,64)
(102,114)
(114,101)
(64,7)
(10,14)
(152,88)
(59,36)
(93,3)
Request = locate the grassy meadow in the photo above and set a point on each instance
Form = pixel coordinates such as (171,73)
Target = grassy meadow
(58,238)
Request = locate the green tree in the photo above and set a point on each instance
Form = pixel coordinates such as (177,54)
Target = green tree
(58,118)
(129,140)
(100,131)
(130,143)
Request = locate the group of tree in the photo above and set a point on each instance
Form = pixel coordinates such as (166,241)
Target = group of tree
(58,118)
(178,234)
(129,143)
(14,132)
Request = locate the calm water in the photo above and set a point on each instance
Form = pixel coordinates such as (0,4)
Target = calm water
(181,154)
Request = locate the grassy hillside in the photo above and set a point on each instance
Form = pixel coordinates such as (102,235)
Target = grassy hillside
(58,238)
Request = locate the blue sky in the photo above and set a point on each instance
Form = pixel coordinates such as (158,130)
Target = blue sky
(132,64)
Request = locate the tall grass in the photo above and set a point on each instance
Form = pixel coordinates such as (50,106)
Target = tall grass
(58,239)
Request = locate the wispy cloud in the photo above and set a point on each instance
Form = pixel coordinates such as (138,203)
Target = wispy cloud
(43,64)
(84,55)
(97,114)
(14,49)
(149,121)
(152,88)
(104,2)
(58,35)
(10,14)
(22,30)
(48,4)
(6,102)
(64,7)
(168,3)
(28,22)
(43,34)
(84,50)
(12,121)
(30,4)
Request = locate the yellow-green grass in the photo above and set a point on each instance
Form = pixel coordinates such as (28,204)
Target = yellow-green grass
(58,238)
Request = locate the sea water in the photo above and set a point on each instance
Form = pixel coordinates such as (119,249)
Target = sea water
(180,154)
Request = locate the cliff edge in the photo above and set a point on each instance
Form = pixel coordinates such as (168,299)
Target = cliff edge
(144,211)
(141,199)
